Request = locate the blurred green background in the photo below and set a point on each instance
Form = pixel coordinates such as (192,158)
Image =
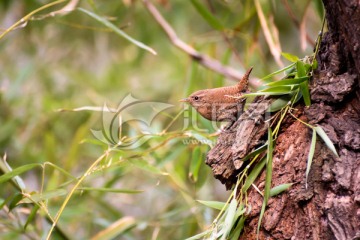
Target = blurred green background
(72,61)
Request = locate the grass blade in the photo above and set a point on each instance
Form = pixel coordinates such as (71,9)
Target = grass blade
(196,160)
(253,175)
(9,175)
(288,81)
(326,139)
(117,30)
(290,57)
(279,103)
(278,71)
(200,235)
(229,219)
(144,165)
(239,227)
(266,94)
(31,216)
(208,16)
(280,89)
(268,177)
(213,204)
(37,197)
(112,190)
(279,189)
(254,153)
(310,156)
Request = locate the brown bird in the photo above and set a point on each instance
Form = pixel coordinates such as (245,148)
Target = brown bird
(220,104)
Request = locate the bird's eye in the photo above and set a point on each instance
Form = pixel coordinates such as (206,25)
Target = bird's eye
(196,98)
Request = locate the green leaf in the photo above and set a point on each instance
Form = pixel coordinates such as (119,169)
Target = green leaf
(254,153)
(278,71)
(269,158)
(117,30)
(253,174)
(8,176)
(266,94)
(280,89)
(15,200)
(268,177)
(302,72)
(305,93)
(213,204)
(319,8)
(200,235)
(279,103)
(315,64)
(279,189)
(142,164)
(310,156)
(300,68)
(229,219)
(208,16)
(38,197)
(326,139)
(290,57)
(288,81)
(112,190)
(195,164)
(239,227)
(202,139)
(31,216)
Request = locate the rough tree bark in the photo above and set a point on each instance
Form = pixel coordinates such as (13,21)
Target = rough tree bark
(330,207)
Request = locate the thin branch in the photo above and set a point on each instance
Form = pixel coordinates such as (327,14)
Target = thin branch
(204,60)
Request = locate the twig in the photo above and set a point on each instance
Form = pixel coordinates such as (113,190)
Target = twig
(204,60)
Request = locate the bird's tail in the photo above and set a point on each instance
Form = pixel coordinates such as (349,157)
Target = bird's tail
(244,82)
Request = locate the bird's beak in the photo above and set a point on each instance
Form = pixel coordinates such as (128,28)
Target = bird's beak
(184,100)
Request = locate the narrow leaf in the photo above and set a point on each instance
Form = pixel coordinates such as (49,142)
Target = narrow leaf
(290,57)
(279,103)
(326,139)
(112,190)
(279,189)
(266,94)
(200,235)
(280,89)
(239,227)
(38,197)
(213,204)
(254,153)
(310,156)
(253,175)
(15,200)
(208,16)
(300,68)
(142,164)
(31,215)
(196,160)
(117,30)
(229,219)
(278,71)
(305,93)
(268,177)
(17,171)
(288,81)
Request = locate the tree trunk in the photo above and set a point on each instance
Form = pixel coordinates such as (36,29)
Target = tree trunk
(330,206)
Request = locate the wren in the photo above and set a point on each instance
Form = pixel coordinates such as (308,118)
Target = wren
(221,104)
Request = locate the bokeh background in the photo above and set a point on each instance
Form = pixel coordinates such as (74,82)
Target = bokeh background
(70,61)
